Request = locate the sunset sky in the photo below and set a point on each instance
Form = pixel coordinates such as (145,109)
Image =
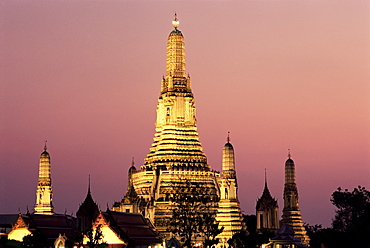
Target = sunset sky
(85,76)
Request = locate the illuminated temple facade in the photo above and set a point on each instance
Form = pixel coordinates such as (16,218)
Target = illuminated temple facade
(176,155)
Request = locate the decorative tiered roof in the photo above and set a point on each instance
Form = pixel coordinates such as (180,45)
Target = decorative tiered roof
(266,200)
(88,207)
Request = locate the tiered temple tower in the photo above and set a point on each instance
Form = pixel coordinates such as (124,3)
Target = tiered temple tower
(267,211)
(44,192)
(229,214)
(176,157)
(291,212)
(176,142)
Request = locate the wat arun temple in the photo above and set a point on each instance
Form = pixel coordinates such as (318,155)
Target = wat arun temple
(176,156)
(175,163)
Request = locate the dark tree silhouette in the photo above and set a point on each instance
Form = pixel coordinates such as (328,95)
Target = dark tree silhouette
(210,229)
(194,214)
(251,238)
(315,234)
(35,240)
(353,214)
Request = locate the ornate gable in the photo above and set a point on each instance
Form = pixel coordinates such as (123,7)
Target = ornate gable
(20,223)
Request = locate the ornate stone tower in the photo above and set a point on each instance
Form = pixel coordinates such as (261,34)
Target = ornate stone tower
(229,214)
(176,142)
(267,210)
(176,154)
(44,192)
(291,212)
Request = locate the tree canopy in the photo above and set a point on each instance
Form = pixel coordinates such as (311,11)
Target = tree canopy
(193,215)
(353,214)
(351,223)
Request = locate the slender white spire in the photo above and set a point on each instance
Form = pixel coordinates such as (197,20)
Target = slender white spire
(291,212)
(44,192)
(228,160)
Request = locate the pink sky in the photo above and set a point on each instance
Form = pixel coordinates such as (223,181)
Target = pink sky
(85,75)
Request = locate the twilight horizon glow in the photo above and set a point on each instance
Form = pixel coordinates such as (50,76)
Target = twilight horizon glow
(278,75)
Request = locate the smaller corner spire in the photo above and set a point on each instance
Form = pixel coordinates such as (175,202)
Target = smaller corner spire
(228,137)
(45,147)
(175,21)
(289,155)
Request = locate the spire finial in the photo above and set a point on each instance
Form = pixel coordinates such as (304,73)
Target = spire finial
(228,137)
(265,178)
(175,22)
(289,156)
(45,147)
(133,161)
(88,190)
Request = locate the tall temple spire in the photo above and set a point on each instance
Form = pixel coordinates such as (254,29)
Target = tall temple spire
(229,214)
(176,154)
(290,174)
(176,142)
(291,212)
(228,159)
(44,192)
(175,63)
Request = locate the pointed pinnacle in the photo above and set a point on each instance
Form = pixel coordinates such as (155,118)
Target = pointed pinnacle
(175,22)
